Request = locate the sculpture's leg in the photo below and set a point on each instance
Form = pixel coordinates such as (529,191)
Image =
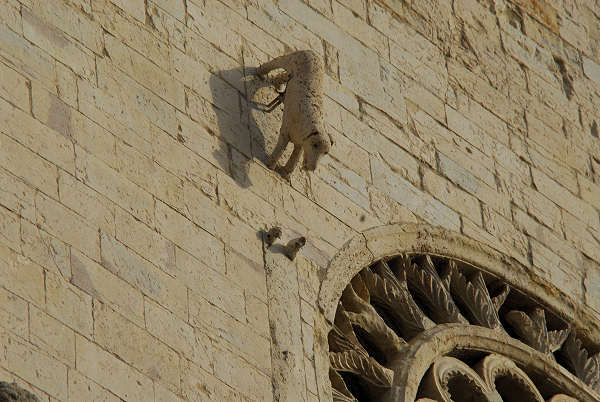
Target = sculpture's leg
(292,162)
(279,148)
(274,103)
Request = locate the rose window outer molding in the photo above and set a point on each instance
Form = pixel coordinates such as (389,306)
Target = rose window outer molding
(431,321)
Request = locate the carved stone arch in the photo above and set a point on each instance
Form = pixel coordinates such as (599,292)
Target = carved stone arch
(376,325)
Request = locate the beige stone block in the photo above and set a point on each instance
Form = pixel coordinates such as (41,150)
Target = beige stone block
(52,336)
(192,343)
(146,242)
(451,195)
(566,277)
(16,195)
(66,85)
(71,20)
(21,276)
(74,126)
(14,87)
(134,8)
(547,237)
(346,181)
(181,161)
(101,284)
(577,232)
(10,226)
(149,175)
(134,345)
(195,76)
(341,95)
(36,368)
(69,227)
(127,100)
(504,230)
(97,210)
(591,70)
(420,203)
(45,250)
(170,28)
(98,106)
(230,333)
(69,305)
(319,222)
(110,372)
(26,57)
(257,315)
(188,236)
(471,184)
(14,314)
(10,15)
(565,199)
(590,192)
(49,144)
(144,276)
(250,208)
(197,138)
(131,32)
(215,287)
(213,29)
(175,7)
(94,173)
(199,385)
(49,38)
(360,29)
(27,165)
(84,389)
(246,273)
(163,394)
(144,71)
(341,207)
(242,377)
(261,181)
(484,118)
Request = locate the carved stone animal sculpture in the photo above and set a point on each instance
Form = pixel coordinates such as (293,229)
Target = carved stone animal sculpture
(292,247)
(272,235)
(303,109)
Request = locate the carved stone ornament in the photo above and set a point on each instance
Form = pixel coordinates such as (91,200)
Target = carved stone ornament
(423,328)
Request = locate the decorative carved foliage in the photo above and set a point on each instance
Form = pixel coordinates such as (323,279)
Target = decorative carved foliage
(391,303)
(532,330)
(586,368)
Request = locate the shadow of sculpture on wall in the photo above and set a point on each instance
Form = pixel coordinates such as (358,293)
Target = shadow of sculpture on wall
(246,131)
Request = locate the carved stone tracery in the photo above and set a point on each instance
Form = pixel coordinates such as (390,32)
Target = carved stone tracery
(430,328)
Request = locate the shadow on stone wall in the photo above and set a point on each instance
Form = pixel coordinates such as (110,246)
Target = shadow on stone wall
(251,132)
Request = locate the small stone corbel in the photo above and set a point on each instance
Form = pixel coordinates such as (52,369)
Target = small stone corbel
(272,235)
(293,246)
(303,109)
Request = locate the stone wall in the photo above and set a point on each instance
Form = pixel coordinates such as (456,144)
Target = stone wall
(133,185)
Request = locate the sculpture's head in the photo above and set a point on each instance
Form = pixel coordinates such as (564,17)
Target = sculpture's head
(315,146)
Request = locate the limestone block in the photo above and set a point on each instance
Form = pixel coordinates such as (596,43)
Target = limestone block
(144,276)
(199,385)
(52,336)
(110,372)
(55,42)
(230,333)
(134,345)
(72,21)
(107,288)
(21,276)
(14,87)
(84,389)
(107,181)
(37,368)
(131,32)
(27,165)
(69,304)
(14,313)
(16,195)
(144,71)
(97,210)
(170,28)
(212,285)
(192,343)
(246,273)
